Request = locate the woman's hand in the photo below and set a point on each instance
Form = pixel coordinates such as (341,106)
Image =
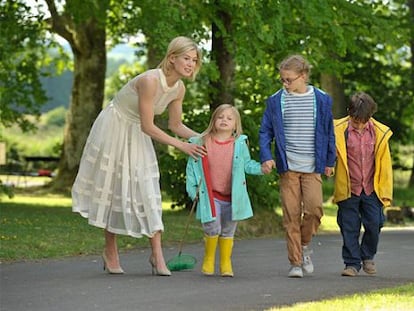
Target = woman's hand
(194,150)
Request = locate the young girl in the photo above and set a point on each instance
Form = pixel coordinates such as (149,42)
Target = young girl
(223,197)
(298,119)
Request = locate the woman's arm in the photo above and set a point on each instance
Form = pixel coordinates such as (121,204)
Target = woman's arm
(146,87)
(175,123)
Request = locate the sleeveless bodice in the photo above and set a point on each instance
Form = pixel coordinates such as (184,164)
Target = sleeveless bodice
(126,101)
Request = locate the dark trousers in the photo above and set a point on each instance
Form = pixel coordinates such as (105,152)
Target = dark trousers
(366,210)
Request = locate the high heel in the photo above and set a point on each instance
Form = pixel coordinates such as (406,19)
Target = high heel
(110,270)
(155,271)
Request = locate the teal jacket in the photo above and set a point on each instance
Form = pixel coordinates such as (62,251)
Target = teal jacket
(240,201)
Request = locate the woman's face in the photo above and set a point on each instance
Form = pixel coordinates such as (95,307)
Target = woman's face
(293,81)
(185,64)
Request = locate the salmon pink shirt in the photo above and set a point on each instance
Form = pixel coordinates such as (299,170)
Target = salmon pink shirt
(361,160)
(220,162)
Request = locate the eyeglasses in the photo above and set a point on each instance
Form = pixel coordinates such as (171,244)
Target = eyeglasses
(289,81)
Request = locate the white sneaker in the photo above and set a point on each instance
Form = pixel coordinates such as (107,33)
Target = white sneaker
(295,272)
(307,264)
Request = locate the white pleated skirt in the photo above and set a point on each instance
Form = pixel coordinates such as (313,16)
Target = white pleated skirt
(117,186)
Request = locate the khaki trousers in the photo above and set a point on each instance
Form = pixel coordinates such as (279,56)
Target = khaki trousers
(301,196)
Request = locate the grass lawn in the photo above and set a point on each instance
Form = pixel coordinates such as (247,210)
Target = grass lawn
(393,299)
(36,225)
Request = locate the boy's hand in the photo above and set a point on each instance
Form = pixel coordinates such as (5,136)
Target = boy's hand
(329,171)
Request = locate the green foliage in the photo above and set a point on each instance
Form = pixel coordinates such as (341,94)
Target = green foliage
(22,53)
(119,78)
(363,43)
(55,117)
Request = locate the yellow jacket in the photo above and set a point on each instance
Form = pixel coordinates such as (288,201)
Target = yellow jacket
(383,184)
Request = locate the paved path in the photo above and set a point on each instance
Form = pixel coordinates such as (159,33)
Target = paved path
(260,280)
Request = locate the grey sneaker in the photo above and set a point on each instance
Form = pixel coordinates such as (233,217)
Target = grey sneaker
(295,272)
(307,264)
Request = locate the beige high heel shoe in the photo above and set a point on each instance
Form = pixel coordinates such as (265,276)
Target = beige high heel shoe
(110,270)
(155,271)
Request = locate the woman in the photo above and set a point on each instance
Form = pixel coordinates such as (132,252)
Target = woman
(117,186)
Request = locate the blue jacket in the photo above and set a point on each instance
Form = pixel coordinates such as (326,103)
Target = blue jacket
(240,201)
(272,130)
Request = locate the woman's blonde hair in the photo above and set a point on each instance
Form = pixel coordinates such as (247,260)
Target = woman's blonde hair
(219,110)
(296,63)
(177,47)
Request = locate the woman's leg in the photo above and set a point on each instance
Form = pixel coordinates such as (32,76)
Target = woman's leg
(157,255)
(111,251)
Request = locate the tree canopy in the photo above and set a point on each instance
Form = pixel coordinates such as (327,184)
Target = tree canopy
(352,45)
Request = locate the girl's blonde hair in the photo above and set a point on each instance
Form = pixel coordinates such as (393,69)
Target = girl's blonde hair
(177,47)
(296,63)
(219,110)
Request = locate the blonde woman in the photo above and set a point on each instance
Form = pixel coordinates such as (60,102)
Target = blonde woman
(117,186)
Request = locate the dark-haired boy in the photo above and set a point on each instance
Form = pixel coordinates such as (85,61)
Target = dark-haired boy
(363,182)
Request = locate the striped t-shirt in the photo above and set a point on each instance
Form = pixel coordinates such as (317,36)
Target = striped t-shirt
(299,115)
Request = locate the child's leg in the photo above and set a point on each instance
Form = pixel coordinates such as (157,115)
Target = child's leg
(349,222)
(212,230)
(372,217)
(226,241)
(311,185)
(228,226)
(291,197)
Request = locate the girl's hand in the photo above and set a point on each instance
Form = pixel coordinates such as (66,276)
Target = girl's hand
(194,150)
(267,166)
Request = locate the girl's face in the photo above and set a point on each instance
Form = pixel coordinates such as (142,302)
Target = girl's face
(185,64)
(225,122)
(293,81)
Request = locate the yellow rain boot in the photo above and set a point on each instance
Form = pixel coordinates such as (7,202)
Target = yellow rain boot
(210,245)
(226,249)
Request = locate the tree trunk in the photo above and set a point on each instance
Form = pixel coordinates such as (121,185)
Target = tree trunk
(87,40)
(411,6)
(86,103)
(222,88)
(334,87)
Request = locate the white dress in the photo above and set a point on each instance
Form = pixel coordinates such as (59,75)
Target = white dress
(117,186)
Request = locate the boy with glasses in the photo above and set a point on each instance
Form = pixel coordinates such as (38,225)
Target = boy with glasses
(298,120)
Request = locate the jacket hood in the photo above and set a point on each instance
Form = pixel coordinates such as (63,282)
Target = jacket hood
(343,123)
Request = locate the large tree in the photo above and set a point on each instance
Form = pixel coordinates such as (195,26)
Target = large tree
(249,39)
(83,25)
